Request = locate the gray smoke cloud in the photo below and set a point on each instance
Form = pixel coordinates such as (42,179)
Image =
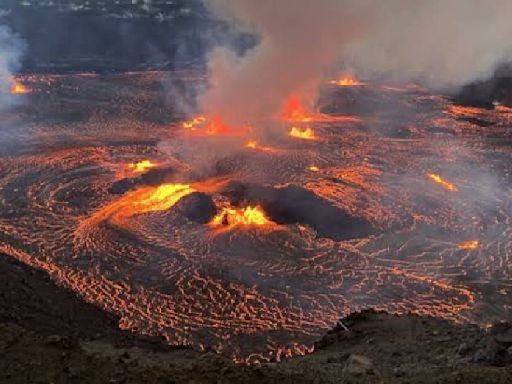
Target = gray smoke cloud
(11,51)
(443,43)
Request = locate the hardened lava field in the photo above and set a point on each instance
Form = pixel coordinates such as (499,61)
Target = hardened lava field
(389,198)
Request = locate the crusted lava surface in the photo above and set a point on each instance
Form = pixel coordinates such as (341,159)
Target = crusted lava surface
(392,198)
(52,335)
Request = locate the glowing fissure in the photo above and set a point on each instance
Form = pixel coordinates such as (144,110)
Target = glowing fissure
(443,183)
(142,166)
(346,81)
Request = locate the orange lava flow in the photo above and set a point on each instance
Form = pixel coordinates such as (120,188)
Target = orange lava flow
(19,89)
(306,134)
(141,166)
(216,126)
(253,144)
(294,111)
(194,122)
(241,216)
(151,199)
(162,198)
(212,126)
(469,245)
(143,200)
(445,184)
(459,110)
(346,81)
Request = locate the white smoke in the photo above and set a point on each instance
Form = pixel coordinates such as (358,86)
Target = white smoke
(444,43)
(11,51)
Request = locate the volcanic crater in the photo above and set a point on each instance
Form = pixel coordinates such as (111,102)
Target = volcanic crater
(402,209)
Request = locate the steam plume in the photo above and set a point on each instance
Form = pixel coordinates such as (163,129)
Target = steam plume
(11,50)
(445,43)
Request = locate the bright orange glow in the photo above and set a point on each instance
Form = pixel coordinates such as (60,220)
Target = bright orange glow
(212,126)
(253,144)
(141,166)
(472,244)
(445,184)
(19,89)
(460,110)
(162,198)
(313,168)
(193,123)
(241,216)
(293,110)
(346,81)
(150,199)
(216,126)
(143,200)
(307,133)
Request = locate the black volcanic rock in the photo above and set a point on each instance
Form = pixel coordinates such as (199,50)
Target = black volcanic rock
(400,132)
(156,176)
(294,204)
(153,177)
(484,94)
(198,207)
(122,186)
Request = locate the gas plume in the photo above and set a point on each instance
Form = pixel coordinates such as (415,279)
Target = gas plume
(11,50)
(443,44)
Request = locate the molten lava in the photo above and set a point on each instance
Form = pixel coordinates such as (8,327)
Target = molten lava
(293,110)
(254,144)
(346,81)
(19,89)
(445,184)
(143,200)
(263,290)
(306,134)
(459,110)
(212,126)
(241,216)
(141,166)
(469,245)
(195,122)
(163,197)
(217,126)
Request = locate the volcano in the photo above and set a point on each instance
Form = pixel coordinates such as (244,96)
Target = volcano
(259,252)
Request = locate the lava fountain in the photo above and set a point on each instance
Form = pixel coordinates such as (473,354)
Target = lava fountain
(306,133)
